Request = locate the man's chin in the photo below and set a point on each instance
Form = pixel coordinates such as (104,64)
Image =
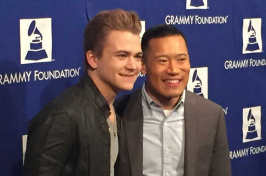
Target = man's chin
(173,95)
(126,87)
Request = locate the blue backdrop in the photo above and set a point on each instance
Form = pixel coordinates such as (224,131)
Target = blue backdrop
(41,46)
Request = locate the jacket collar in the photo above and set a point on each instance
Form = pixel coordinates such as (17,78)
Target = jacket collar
(94,93)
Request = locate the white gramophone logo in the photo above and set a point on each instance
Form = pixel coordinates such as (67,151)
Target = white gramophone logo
(251,124)
(35,40)
(252,41)
(198,81)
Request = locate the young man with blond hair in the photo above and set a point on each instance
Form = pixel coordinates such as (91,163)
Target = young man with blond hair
(77,133)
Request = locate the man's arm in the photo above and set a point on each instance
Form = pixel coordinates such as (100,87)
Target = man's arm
(220,163)
(49,144)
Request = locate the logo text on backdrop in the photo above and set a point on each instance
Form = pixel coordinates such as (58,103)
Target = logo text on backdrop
(252,44)
(196,19)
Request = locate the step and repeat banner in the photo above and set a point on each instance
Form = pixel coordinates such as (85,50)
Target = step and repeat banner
(41,46)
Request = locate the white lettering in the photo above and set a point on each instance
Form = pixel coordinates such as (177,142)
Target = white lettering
(257,150)
(239,153)
(171,19)
(56,74)
(211,20)
(236,64)
(257,63)
(15,78)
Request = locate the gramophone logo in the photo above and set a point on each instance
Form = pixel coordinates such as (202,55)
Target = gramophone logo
(198,81)
(142,29)
(35,40)
(251,124)
(252,41)
(197,4)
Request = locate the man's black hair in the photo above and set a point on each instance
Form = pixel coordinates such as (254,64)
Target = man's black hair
(158,32)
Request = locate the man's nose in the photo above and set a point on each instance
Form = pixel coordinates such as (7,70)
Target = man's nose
(173,68)
(132,63)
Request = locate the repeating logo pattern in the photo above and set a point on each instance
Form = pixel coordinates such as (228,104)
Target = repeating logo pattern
(251,124)
(35,40)
(252,41)
(197,4)
(198,81)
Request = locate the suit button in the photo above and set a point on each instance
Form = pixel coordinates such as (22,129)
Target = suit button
(166,149)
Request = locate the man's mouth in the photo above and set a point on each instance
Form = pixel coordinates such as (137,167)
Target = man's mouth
(127,75)
(172,81)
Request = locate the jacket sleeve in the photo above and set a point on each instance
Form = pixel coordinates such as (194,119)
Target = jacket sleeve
(220,163)
(49,142)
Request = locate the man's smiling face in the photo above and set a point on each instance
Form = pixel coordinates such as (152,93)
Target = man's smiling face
(167,66)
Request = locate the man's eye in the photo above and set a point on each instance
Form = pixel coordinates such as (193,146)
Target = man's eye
(138,56)
(122,55)
(181,59)
(162,60)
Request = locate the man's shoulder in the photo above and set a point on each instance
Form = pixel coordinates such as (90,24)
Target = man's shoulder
(70,97)
(64,103)
(75,96)
(203,110)
(199,101)
(125,101)
(129,96)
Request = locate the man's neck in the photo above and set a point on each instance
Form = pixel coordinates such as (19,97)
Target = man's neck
(164,102)
(107,93)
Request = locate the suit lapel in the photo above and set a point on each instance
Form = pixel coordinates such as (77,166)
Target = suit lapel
(191,145)
(133,120)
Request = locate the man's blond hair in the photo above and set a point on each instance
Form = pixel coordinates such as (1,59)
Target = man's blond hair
(103,23)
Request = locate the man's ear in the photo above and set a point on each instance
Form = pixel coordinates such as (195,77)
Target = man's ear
(143,67)
(91,59)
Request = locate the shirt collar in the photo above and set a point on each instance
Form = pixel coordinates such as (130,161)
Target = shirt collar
(150,101)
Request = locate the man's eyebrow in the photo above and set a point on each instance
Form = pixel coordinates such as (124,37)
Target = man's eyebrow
(127,52)
(139,53)
(182,54)
(161,55)
(122,51)
(166,55)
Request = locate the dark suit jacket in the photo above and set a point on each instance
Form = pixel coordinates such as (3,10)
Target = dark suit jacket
(206,146)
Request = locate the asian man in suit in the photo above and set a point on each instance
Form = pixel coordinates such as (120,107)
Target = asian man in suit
(171,131)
